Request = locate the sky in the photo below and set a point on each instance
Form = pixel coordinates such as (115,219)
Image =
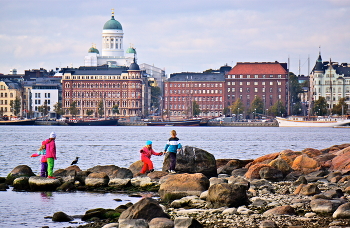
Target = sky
(177,36)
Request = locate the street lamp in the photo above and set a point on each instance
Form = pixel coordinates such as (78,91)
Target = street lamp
(238,114)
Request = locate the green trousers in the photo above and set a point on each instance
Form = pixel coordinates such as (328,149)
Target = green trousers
(50,165)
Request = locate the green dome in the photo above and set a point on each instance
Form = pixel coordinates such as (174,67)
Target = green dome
(131,50)
(113,24)
(93,50)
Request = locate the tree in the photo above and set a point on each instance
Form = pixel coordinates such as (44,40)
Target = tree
(294,88)
(15,106)
(257,105)
(57,108)
(226,111)
(237,107)
(73,108)
(296,108)
(320,107)
(115,109)
(195,108)
(89,112)
(341,108)
(277,109)
(44,109)
(100,108)
(155,97)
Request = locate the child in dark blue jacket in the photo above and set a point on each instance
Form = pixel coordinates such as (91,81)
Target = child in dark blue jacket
(172,147)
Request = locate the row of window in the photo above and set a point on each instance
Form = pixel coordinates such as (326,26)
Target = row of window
(233,97)
(194,85)
(132,94)
(38,102)
(255,76)
(101,77)
(104,85)
(202,107)
(109,104)
(3,109)
(184,99)
(3,102)
(255,83)
(5,95)
(38,95)
(204,91)
(256,90)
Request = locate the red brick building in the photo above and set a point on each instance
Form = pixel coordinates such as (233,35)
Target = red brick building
(88,86)
(247,80)
(182,89)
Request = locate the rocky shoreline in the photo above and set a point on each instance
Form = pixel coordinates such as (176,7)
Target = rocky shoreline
(308,188)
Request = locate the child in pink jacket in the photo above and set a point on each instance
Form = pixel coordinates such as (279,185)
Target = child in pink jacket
(50,154)
(43,160)
(146,153)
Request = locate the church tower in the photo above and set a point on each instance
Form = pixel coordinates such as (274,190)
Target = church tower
(112,38)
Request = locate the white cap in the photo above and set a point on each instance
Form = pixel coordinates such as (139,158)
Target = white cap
(52,135)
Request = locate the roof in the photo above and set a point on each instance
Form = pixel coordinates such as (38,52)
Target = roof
(99,70)
(188,76)
(259,68)
(113,24)
(93,50)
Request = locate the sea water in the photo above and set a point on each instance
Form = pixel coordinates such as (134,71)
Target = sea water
(120,145)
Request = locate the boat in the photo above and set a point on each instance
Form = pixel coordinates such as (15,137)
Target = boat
(174,123)
(92,122)
(320,121)
(18,122)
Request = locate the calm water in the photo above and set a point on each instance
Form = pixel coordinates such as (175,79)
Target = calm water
(120,146)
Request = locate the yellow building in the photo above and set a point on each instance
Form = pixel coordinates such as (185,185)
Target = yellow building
(9,91)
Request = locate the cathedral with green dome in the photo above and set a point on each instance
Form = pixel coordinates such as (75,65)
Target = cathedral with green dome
(112,53)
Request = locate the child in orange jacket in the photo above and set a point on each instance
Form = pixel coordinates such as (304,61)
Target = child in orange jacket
(146,153)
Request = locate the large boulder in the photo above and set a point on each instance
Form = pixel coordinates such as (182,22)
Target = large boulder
(227,195)
(146,208)
(232,165)
(136,167)
(289,156)
(263,159)
(61,217)
(122,173)
(66,175)
(161,223)
(19,171)
(193,160)
(305,164)
(271,174)
(97,180)
(107,169)
(342,161)
(343,212)
(43,184)
(253,171)
(181,185)
(281,165)
(21,183)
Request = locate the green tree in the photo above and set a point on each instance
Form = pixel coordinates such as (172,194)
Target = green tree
(320,107)
(237,107)
(44,109)
(73,110)
(195,109)
(341,108)
(89,112)
(257,105)
(15,106)
(100,108)
(57,108)
(296,108)
(155,97)
(115,109)
(226,111)
(294,87)
(277,109)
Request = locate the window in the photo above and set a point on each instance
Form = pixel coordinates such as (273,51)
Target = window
(256,90)
(271,83)
(256,83)
(248,83)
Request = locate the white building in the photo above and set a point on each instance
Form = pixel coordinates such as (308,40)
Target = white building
(330,80)
(112,48)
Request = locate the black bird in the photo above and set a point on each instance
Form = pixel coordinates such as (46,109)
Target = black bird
(75,161)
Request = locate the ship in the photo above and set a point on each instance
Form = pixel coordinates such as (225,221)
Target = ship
(92,122)
(18,122)
(195,122)
(320,121)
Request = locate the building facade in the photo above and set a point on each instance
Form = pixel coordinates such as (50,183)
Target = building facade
(9,91)
(247,80)
(182,89)
(89,86)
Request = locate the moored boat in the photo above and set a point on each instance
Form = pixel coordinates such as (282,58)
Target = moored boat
(18,122)
(174,123)
(92,122)
(300,121)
